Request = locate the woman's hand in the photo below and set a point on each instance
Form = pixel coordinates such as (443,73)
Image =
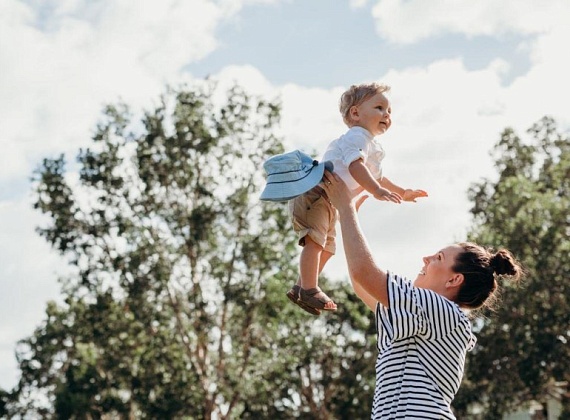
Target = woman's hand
(360,200)
(337,191)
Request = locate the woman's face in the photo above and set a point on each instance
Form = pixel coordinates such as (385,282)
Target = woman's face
(437,270)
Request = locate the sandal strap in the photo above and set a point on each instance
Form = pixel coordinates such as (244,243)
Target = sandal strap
(307,296)
(312,291)
(293,296)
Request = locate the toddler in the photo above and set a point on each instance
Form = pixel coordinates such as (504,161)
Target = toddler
(356,157)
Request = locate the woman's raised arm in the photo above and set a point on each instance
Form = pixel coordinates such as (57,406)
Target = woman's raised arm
(366,276)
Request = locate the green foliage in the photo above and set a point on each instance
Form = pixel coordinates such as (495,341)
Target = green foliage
(177,307)
(523,350)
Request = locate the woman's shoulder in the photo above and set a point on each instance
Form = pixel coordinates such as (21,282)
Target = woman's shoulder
(424,297)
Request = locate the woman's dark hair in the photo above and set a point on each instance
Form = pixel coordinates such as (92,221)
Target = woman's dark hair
(481,268)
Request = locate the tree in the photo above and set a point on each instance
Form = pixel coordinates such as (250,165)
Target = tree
(522,350)
(176,308)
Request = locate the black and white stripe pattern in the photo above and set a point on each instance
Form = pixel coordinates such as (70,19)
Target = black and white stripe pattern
(422,341)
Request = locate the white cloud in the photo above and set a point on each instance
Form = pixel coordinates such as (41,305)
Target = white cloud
(62,62)
(246,76)
(310,117)
(408,21)
(543,90)
(357,4)
(29,271)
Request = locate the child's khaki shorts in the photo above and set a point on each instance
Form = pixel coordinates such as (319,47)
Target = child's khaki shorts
(313,215)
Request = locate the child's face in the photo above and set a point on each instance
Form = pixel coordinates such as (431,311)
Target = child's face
(373,114)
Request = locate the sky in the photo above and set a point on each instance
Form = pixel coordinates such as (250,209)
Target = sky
(460,72)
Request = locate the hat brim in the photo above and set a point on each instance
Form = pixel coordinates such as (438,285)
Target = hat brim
(288,190)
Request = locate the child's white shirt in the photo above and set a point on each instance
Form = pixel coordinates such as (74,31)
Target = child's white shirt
(356,143)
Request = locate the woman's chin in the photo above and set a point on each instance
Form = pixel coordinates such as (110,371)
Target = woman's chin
(419,278)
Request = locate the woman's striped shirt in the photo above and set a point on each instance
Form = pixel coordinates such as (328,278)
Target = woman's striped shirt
(422,342)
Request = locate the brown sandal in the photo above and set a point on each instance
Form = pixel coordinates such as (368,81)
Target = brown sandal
(315,298)
(293,296)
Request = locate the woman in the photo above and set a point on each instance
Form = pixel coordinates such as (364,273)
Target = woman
(423,333)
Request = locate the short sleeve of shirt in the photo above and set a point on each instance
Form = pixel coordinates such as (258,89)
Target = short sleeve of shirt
(421,312)
(353,147)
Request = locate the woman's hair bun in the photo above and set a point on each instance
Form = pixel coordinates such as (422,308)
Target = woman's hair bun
(503,263)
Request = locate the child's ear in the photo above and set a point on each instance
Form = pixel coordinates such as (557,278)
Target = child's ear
(353,113)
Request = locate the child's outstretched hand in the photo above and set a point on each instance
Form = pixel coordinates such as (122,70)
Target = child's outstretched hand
(411,195)
(386,195)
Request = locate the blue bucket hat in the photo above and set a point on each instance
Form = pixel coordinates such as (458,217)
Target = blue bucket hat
(292,174)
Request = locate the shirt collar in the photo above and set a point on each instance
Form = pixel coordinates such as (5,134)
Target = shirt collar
(363,130)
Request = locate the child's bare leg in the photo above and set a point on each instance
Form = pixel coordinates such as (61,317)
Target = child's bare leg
(324,257)
(312,261)
(309,262)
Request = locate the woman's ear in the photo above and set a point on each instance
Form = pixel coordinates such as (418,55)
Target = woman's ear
(456,280)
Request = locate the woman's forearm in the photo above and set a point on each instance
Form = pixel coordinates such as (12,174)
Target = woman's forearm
(361,266)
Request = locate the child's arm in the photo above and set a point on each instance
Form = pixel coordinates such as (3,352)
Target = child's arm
(389,185)
(362,175)
(406,193)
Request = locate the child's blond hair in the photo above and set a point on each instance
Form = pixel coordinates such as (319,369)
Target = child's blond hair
(357,94)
